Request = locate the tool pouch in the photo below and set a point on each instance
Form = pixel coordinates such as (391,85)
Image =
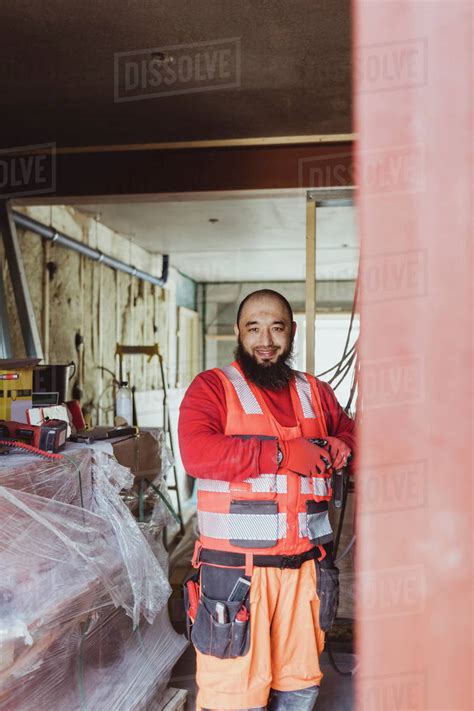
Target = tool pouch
(225,639)
(191,600)
(327,588)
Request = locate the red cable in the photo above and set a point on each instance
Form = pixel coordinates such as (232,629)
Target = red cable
(31,449)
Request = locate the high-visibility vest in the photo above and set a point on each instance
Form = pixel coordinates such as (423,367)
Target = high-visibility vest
(279,513)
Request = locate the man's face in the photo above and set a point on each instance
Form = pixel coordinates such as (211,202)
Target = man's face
(265,330)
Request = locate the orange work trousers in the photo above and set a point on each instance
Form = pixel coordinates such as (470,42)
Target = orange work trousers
(285,643)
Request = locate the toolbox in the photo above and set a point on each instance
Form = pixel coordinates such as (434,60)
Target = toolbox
(16,385)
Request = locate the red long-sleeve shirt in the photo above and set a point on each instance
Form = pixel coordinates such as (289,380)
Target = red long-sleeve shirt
(210,454)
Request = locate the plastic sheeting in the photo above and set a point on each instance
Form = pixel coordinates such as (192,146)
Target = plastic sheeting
(102,663)
(76,581)
(69,482)
(100,539)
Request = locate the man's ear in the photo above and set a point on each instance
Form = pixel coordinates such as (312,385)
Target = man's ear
(236,330)
(293,329)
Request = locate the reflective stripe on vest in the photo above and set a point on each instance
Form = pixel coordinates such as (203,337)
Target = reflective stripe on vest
(246,397)
(315,526)
(243,527)
(265,484)
(319,486)
(249,402)
(303,389)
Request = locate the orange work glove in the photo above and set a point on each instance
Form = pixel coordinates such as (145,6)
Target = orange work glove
(303,457)
(339,452)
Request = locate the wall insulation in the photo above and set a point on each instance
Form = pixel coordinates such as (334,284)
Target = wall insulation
(73,294)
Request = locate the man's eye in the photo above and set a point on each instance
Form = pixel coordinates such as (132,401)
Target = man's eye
(253,329)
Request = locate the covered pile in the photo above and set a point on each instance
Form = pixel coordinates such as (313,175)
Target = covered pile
(83,618)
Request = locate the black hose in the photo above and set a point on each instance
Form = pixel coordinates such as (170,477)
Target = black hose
(333,661)
(336,546)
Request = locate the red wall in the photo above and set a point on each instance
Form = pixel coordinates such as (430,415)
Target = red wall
(413,113)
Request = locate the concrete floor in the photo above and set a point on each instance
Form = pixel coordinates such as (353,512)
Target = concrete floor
(336,690)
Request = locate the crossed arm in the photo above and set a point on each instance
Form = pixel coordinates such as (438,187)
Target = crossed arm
(210,454)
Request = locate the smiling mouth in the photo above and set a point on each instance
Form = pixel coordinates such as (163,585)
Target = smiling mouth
(266,354)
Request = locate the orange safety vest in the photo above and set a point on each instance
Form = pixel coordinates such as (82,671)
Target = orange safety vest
(279,513)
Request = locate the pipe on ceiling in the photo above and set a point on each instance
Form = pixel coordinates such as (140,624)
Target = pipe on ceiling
(28,223)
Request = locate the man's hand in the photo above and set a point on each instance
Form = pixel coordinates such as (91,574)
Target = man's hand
(339,452)
(303,457)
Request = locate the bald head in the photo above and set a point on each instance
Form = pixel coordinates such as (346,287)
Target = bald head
(265,295)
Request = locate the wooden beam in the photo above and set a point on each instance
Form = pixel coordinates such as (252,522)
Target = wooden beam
(218,143)
(221,336)
(115,174)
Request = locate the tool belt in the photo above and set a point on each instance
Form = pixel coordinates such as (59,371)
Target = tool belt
(216,623)
(225,632)
(238,560)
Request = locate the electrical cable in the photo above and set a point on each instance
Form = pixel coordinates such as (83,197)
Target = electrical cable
(71,461)
(336,365)
(355,381)
(344,372)
(337,560)
(29,448)
(346,353)
(165,500)
(351,323)
(356,364)
(346,550)
(107,370)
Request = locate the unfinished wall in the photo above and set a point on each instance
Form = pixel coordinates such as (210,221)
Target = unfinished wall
(72,294)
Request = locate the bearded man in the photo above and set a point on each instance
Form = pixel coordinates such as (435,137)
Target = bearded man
(263,441)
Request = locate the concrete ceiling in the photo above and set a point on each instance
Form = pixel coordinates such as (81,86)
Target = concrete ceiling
(238,237)
(57,70)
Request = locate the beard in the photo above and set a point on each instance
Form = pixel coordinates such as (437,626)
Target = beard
(271,376)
